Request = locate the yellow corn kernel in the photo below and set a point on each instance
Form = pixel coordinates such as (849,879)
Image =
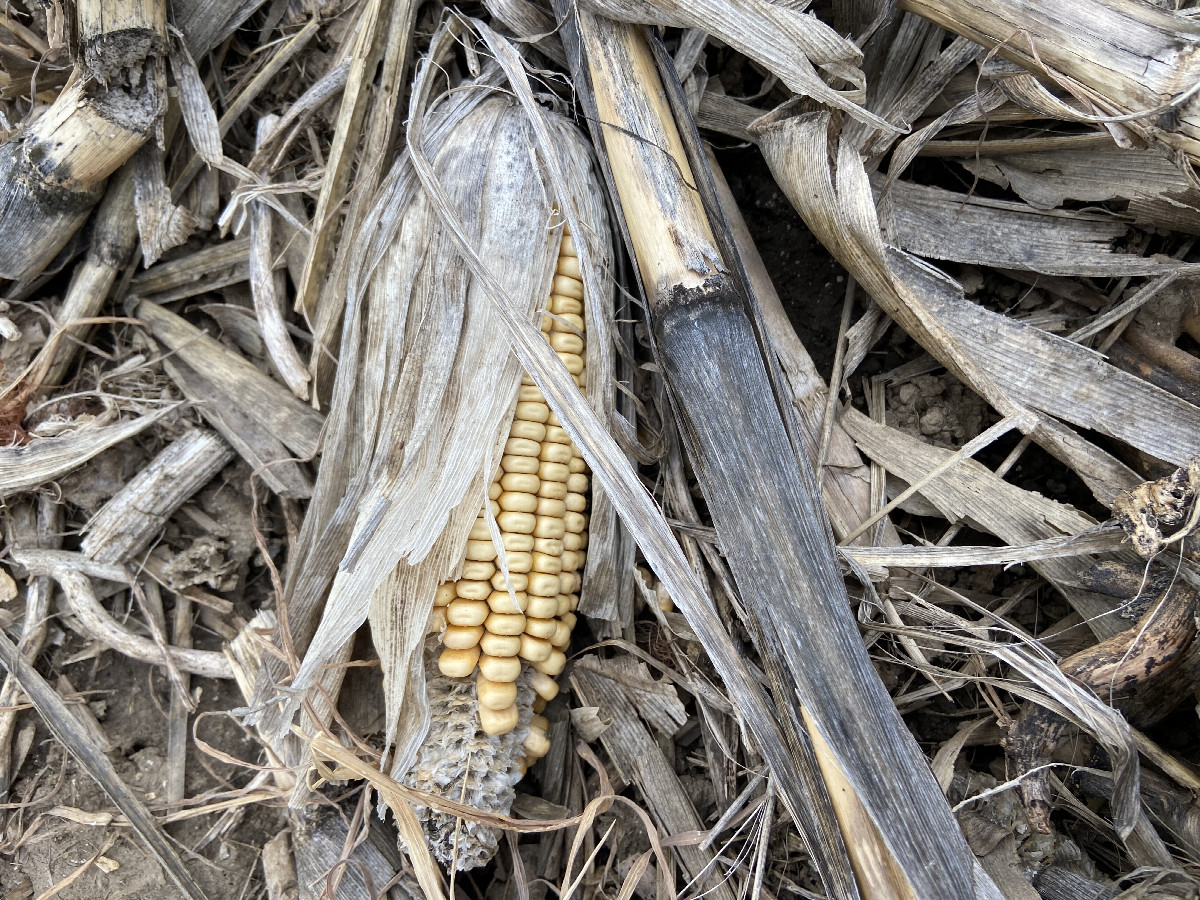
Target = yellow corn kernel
(498,721)
(544,686)
(519,481)
(461,637)
(500,645)
(553,490)
(523,464)
(537,744)
(495,694)
(542,584)
(518,543)
(505,623)
(517,581)
(569,266)
(553,663)
(541,628)
(513,501)
(467,612)
(458,663)
(445,593)
(499,668)
(472,590)
(502,601)
(535,649)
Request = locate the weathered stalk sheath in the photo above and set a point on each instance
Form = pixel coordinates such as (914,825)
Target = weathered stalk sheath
(764,504)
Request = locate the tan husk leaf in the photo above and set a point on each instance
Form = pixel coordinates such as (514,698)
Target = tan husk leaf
(788,42)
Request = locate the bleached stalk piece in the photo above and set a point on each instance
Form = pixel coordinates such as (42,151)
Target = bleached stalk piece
(128,522)
(772,526)
(28,467)
(53,172)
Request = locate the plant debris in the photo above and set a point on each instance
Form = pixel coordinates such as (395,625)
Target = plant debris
(277,278)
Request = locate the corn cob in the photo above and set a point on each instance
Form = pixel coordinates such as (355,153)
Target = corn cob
(496,623)
(504,639)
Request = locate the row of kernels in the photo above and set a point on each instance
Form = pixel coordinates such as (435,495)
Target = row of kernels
(485,619)
(501,620)
(481,616)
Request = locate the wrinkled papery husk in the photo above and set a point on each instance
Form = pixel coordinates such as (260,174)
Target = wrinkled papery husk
(426,386)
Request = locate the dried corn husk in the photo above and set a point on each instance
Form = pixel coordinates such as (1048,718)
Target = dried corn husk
(1012,365)
(427,380)
(785,39)
(1131,66)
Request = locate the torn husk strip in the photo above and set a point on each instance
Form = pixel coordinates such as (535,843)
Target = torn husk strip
(764,509)
(210,269)
(1011,365)
(268,285)
(788,42)
(44,459)
(266,455)
(972,493)
(393,40)
(365,49)
(31,522)
(633,750)
(53,172)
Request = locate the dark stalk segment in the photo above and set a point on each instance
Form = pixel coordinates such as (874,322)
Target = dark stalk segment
(761,495)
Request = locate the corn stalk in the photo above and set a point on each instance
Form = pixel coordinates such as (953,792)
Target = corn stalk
(764,500)
(53,172)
